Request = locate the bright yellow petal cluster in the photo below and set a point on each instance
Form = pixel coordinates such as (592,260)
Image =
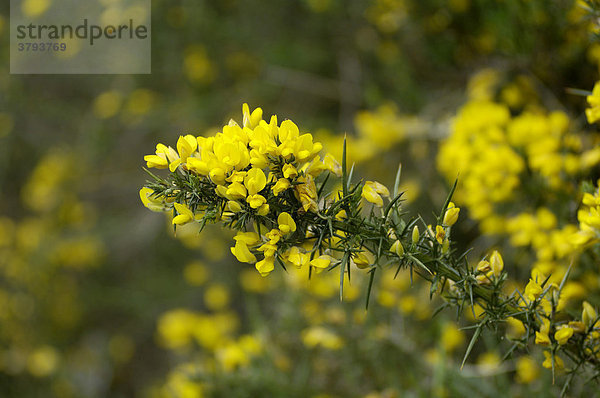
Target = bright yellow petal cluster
(373,191)
(250,166)
(593,112)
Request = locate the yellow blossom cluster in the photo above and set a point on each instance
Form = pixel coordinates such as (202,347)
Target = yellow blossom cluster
(377,131)
(492,151)
(589,219)
(180,330)
(507,152)
(250,167)
(593,112)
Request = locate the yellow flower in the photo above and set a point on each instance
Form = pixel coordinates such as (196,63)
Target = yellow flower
(318,335)
(286,223)
(373,191)
(542,338)
(197,165)
(249,238)
(251,119)
(397,248)
(306,192)
(516,329)
(186,145)
(216,297)
(527,370)
(578,327)
(150,201)
(563,335)
(452,337)
(236,191)
(558,362)
(297,257)
(161,159)
(593,113)
(321,262)
(440,234)
(184,216)
(231,153)
(305,149)
(281,185)
(332,165)
(451,215)
(483,266)
(361,260)
(265,266)
(255,181)
(289,171)
(274,236)
(263,210)
(242,253)
(533,290)
(268,249)
(217,175)
(256,201)
(496,263)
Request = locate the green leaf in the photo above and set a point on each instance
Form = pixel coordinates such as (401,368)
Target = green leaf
(471,344)
(388,208)
(397,180)
(448,199)
(371,278)
(344,170)
(350,174)
(345,263)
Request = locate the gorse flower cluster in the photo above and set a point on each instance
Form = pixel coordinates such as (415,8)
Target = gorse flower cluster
(259,175)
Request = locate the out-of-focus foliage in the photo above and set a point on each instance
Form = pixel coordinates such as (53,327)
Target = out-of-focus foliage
(99,299)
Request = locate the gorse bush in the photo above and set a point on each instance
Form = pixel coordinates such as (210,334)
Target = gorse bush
(267,182)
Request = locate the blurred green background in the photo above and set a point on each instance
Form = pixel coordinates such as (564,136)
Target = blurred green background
(87,274)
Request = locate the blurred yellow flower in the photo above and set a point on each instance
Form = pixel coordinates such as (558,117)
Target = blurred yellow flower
(107,104)
(527,370)
(451,337)
(43,361)
(35,8)
(319,336)
(216,297)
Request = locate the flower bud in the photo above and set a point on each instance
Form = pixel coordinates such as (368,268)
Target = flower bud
(397,248)
(588,316)
(451,215)
(496,263)
(445,246)
(361,260)
(234,206)
(415,235)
